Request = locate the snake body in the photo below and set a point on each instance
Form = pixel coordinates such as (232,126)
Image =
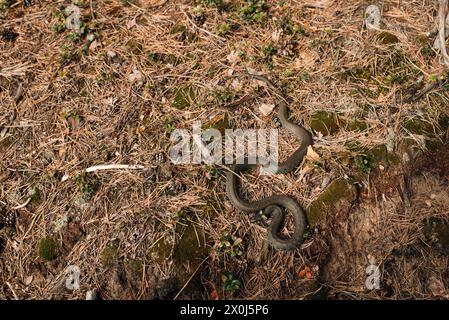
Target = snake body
(274,205)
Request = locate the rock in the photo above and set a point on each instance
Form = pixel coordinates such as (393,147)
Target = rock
(92,295)
(372,17)
(340,195)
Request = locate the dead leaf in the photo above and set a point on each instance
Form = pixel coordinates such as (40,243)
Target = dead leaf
(266,108)
(28,280)
(311,154)
(214,295)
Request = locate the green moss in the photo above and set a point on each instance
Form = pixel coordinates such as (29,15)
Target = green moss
(339,195)
(387,38)
(437,230)
(354,145)
(443,122)
(422,39)
(364,163)
(134,267)
(221,124)
(324,122)
(6,143)
(48,249)
(35,195)
(357,125)
(417,126)
(184,97)
(134,46)
(109,256)
(380,154)
(161,251)
(191,247)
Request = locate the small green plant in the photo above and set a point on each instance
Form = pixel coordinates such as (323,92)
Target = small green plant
(364,163)
(103,78)
(5,4)
(212,173)
(223,29)
(48,249)
(308,233)
(84,187)
(58,27)
(254,11)
(224,95)
(217,3)
(268,50)
(180,216)
(127,3)
(230,283)
(68,55)
(231,244)
(169,127)
(427,51)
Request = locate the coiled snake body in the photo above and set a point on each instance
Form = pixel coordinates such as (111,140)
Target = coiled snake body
(275,204)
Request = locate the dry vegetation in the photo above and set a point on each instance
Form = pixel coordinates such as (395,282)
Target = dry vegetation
(113,93)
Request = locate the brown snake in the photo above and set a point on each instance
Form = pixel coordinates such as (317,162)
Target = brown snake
(275,204)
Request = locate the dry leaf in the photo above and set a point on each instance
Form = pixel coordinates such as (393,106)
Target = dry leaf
(214,295)
(311,154)
(28,280)
(266,108)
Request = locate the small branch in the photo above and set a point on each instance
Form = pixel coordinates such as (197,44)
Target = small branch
(23,205)
(114,167)
(12,290)
(442,32)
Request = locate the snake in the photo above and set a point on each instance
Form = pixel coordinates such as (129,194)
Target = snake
(274,205)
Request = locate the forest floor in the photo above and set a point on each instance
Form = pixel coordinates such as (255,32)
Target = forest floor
(374,185)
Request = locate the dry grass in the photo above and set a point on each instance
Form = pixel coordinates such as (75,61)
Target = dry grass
(80,108)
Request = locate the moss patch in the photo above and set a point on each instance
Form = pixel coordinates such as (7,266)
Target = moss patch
(387,38)
(437,231)
(48,249)
(161,251)
(339,195)
(220,122)
(109,256)
(134,46)
(324,122)
(183,98)
(417,126)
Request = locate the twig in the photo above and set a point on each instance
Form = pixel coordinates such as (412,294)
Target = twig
(12,290)
(114,167)
(23,205)
(442,32)
(191,277)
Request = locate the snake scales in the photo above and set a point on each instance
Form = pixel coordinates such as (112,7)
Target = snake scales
(275,205)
